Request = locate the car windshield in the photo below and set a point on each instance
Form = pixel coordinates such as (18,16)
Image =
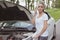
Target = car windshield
(17,13)
(22,24)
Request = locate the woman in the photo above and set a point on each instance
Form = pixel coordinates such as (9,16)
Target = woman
(40,20)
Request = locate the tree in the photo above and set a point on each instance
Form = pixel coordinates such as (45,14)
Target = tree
(57,4)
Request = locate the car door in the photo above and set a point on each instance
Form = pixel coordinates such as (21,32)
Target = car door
(51,28)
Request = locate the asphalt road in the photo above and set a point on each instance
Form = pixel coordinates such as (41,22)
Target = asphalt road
(58,30)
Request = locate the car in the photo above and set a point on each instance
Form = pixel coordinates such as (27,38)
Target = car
(15,21)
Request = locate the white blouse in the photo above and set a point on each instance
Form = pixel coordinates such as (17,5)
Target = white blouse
(39,24)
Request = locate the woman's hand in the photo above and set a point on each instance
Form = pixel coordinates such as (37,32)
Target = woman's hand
(36,36)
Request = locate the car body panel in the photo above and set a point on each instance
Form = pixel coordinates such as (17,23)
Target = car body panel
(50,29)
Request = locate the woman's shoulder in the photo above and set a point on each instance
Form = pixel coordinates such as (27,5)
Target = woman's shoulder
(45,15)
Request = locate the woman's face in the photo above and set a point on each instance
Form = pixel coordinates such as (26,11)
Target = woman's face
(40,8)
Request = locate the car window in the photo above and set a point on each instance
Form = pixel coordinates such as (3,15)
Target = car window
(9,24)
(21,24)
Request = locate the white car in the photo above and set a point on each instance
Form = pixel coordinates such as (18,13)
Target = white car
(16,20)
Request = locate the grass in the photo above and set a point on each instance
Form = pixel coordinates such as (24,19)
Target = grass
(55,13)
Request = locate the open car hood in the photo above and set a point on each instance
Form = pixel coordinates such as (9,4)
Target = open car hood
(10,14)
(10,11)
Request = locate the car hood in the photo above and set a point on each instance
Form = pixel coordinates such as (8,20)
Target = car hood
(10,11)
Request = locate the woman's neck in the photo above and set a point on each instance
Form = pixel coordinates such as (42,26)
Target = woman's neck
(41,13)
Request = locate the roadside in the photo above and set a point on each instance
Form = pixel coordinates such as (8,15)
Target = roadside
(58,30)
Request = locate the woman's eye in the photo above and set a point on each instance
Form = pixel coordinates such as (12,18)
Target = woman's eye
(40,6)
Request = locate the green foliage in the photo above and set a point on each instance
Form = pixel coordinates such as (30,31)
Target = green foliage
(57,3)
(55,13)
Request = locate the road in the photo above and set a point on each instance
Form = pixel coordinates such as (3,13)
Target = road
(58,30)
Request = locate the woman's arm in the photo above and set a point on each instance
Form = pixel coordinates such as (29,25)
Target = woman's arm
(33,19)
(43,30)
